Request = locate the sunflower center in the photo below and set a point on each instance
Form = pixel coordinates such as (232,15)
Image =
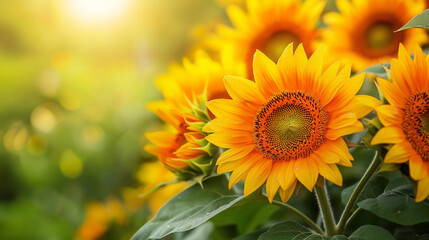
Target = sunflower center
(275,44)
(416,123)
(379,35)
(290,125)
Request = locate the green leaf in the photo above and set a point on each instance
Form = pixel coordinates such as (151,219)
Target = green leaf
(253,235)
(247,217)
(191,208)
(202,232)
(370,232)
(289,230)
(378,70)
(398,206)
(375,187)
(419,21)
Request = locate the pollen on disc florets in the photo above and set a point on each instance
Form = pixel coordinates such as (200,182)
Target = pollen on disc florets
(416,123)
(290,125)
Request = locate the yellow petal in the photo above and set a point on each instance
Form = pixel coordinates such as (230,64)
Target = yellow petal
(162,138)
(399,153)
(240,172)
(417,167)
(257,176)
(422,190)
(286,194)
(272,182)
(266,74)
(342,121)
(241,89)
(388,135)
(235,154)
(389,115)
(228,107)
(361,105)
(286,174)
(306,171)
(330,172)
(346,93)
(225,140)
(237,16)
(334,134)
(392,94)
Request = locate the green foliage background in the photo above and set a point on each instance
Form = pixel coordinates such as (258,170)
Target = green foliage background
(77,91)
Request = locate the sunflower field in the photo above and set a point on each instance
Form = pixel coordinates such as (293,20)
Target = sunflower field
(214,119)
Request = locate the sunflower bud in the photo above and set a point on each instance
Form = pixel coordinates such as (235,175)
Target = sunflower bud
(186,152)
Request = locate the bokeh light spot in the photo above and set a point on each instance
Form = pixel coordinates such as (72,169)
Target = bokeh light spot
(92,134)
(37,145)
(96,11)
(70,100)
(70,164)
(15,138)
(43,119)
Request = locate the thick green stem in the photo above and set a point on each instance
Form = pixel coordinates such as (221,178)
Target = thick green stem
(298,213)
(325,208)
(372,169)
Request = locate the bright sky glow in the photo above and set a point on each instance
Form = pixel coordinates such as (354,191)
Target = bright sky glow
(96,11)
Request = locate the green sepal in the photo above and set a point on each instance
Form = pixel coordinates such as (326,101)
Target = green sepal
(373,126)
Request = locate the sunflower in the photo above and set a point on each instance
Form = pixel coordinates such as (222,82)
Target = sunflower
(269,26)
(185,113)
(406,119)
(363,30)
(287,126)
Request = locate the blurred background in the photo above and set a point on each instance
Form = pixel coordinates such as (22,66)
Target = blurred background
(75,76)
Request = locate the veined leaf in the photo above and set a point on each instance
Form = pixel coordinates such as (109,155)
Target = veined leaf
(419,21)
(191,208)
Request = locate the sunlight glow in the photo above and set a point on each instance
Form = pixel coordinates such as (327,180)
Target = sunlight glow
(96,11)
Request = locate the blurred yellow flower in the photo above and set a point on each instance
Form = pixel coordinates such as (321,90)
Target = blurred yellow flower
(406,119)
(362,32)
(269,26)
(99,218)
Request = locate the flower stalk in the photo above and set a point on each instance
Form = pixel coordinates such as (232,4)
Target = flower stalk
(347,213)
(326,209)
